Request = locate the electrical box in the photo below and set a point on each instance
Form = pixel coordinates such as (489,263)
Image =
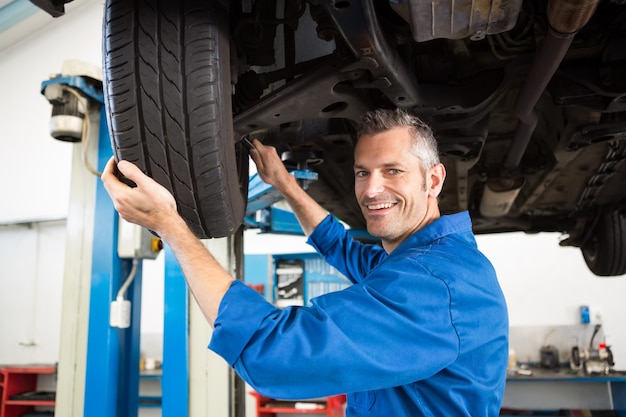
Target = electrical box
(137,242)
(585,316)
(119,314)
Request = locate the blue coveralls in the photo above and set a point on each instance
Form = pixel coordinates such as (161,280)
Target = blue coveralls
(422,332)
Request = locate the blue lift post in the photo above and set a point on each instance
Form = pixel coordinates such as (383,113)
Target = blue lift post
(112,387)
(112,368)
(175,380)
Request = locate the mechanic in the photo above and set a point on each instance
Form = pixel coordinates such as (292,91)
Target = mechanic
(423,330)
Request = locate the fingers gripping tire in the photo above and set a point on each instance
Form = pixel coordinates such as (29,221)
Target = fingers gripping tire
(168,98)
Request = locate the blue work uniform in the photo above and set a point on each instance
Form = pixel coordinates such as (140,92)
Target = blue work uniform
(422,332)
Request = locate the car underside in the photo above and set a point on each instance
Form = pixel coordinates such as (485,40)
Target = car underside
(528,106)
(526,98)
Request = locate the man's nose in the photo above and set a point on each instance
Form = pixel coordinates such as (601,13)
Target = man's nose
(374,185)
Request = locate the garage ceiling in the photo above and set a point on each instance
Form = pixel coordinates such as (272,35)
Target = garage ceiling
(20,19)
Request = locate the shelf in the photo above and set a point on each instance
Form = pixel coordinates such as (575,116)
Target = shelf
(292,407)
(153,398)
(566,389)
(332,406)
(37,403)
(17,383)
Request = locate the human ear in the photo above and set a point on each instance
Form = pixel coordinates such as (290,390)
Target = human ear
(437,176)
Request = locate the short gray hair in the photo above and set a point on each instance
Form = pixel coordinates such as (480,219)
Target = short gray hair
(424,142)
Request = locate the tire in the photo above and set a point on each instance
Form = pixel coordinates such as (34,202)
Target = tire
(168,98)
(605,251)
(609,359)
(575,356)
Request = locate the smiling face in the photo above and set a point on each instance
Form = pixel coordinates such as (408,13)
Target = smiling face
(397,197)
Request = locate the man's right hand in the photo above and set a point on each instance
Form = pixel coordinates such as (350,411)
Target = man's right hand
(270,167)
(273,172)
(149,204)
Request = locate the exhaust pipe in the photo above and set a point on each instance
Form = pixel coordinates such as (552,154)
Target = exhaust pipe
(566,18)
(569,16)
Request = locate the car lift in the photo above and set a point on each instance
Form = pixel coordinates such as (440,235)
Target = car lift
(98,371)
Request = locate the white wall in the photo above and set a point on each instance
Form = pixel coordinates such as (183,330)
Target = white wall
(34,167)
(544,284)
(34,182)
(31,280)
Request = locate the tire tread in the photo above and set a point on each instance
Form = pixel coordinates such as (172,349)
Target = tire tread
(168,105)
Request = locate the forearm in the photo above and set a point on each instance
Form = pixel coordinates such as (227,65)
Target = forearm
(308,212)
(152,206)
(207,279)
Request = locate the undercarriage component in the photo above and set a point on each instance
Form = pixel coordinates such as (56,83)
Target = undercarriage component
(54,8)
(497,200)
(526,98)
(566,18)
(458,19)
(301,161)
(359,27)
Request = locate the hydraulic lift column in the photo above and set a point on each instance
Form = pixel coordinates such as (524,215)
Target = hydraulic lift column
(98,374)
(98,371)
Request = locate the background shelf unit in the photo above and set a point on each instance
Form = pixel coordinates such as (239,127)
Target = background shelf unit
(332,406)
(15,380)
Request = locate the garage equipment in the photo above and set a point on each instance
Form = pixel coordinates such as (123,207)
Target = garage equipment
(99,363)
(593,360)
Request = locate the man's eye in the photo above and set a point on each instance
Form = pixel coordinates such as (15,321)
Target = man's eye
(360,174)
(394,171)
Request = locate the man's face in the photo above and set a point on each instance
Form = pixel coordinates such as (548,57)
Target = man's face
(395,197)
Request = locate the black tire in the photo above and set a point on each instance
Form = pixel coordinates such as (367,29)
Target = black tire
(605,251)
(609,357)
(576,356)
(168,98)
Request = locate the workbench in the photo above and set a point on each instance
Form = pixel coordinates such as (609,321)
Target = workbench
(565,389)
